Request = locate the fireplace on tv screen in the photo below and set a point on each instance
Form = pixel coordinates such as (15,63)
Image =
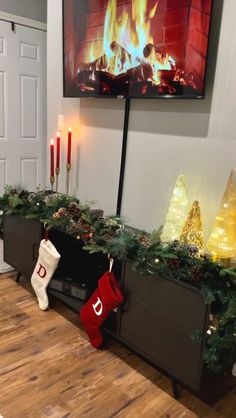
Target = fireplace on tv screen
(136,48)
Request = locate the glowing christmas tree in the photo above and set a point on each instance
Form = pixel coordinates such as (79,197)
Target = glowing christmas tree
(222,242)
(177,212)
(192,231)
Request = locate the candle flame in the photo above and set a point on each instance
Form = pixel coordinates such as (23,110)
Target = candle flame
(52,141)
(70,130)
(58,134)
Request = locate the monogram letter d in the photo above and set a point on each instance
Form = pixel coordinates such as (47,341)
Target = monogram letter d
(97,307)
(41,271)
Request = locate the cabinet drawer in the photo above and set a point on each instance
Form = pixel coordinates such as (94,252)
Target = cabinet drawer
(21,242)
(158,319)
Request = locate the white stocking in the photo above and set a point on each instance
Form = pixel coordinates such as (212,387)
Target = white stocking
(46,265)
(234,370)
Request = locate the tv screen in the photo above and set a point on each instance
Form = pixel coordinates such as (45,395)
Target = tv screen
(135,48)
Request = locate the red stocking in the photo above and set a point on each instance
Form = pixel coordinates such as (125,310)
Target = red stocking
(105,298)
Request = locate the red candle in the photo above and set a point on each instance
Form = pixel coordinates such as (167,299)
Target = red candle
(58,151)
(52,157)
(69,146)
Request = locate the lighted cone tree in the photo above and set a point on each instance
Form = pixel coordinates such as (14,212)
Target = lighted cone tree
(192,233)
(222,242)
(177,212)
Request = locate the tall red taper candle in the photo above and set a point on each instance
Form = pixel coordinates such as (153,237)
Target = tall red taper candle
(58,154)
(52,157)
(69,147)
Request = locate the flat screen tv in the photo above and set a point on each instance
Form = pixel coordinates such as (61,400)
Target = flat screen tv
(135,48)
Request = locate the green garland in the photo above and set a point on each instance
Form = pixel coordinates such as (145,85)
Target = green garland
(147,254)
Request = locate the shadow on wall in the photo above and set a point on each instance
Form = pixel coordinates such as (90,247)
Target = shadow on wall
(177,117)
(102,113)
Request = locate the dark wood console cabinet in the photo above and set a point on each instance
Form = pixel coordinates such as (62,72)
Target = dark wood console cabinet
(157,320)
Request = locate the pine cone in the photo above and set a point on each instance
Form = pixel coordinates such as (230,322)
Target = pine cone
(196,272)
(62,212)
(107,236)
(74,210)
(192,250)
(145,241)
(59,214)
(174,263)
(97,213)
(82,225)
(32,197)
(75,229)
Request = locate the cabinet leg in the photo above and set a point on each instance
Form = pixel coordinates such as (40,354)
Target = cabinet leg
(176,389)
(18,277)
(51,301)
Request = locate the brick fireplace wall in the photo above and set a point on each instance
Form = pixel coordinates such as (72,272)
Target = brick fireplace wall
(172,21)
(197,44)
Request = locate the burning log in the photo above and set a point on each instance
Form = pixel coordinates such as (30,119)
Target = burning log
(141,73)
(100,63)
(121,54)
(102,82)
(151,49)
(93,77)
(166,76)
(185,79)
(113,64)
(155,55)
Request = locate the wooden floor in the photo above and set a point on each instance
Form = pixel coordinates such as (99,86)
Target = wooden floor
(48,369)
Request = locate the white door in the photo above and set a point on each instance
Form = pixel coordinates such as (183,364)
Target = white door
(22,106)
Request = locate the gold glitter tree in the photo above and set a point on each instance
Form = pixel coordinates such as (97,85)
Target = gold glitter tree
(192,231)
(222,241)
(177,212)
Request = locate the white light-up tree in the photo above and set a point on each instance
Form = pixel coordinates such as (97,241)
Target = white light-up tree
(222,242)
(177,212)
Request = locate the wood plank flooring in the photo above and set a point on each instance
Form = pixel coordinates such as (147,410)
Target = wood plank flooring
(48,369)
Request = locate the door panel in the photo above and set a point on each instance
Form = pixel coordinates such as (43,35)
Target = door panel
(2,175)
(22,106)
(29,172)
(29,51)
(29,112)
(2,46)
(2,104)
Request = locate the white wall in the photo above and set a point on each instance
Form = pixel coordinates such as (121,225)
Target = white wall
(101,121)
(56,104)
(32,9)
(166,138)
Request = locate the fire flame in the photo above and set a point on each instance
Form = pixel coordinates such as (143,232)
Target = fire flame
(128,41)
